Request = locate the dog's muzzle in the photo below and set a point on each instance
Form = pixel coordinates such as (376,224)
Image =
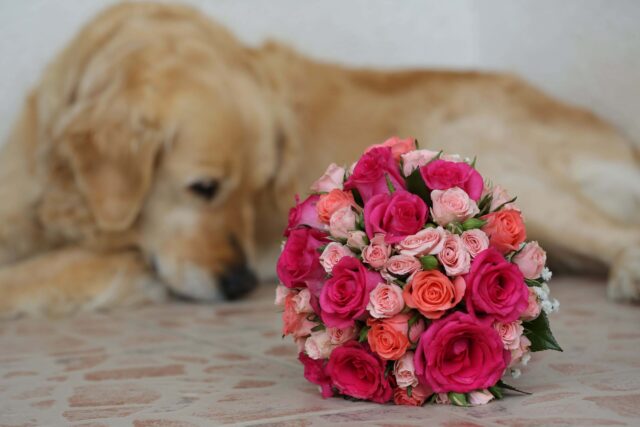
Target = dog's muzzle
(237,282)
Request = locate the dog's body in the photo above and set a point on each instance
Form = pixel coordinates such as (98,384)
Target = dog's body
(158,147)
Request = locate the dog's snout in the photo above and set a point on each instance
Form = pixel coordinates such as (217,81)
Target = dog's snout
(237,282)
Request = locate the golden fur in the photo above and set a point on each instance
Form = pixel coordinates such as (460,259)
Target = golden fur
(148,98)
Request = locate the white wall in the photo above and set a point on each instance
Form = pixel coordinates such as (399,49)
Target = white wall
(585,51)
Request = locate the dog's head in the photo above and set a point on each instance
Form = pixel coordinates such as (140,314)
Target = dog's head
(179,161)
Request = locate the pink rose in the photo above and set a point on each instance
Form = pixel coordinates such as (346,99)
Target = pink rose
(357,372)
(496,288)
(454,256)
(332,202)
(533,308)
(357,240)
(333,253)
(500,197)
(339,336)
(385,301)
(315,372)
(518,354)
(370,174)
(332,179)
(299,263)
(344,296)
(402,265)
(475,241)
(460,353)
(404,371)
(302,301)
(442,175)
(416,159)
(531,260)
(294,323)
(318,345)
(377,252)
(304,214)
(480,397)
(398,215)
(398,146)
(342,222)
(510,333)
(281,293)
(416,330)
(425,242)
(452,205)
(419,395)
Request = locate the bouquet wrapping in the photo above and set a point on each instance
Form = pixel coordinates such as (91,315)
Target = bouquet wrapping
(408,278)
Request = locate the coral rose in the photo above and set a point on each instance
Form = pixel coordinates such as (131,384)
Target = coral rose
(419,395)
(432,293)
(388,337)
(398,146)
(331,202)
(505,229)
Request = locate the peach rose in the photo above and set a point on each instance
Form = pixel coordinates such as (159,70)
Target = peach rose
(398,146)
(480,397)
(332,179)
(533,309)
(531,260)
(318,345)
(405,372)
(416,159)
(385,301)
(357,240)
(339,336)
(388,337)
(302,301)
(281,293)
(432,293)
(510,333)
(475,241)
(377,252)
(333,253)
(419,395)
(294,323)
(332,202)
(402,265)
(342,222)
(454,256)
(425,242)
(521,353)
(505,229)
(452,205)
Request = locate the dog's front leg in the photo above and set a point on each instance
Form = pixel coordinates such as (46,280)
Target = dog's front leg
(74,279)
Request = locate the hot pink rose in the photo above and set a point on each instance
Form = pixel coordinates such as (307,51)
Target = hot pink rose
(333,253)
(385,301)
(339,336)
(531,260)
(404,371)
(398,146)
(505,229)
(460,353)
(332,202)
(496,288)
(533,308)
(454,256)
(332,179)
(299,263)
(344,296)
(377,252)
(342,222)
(318,345)
(419,395)
(304,214)
(416,159)
(357,372)
(425,242)
(452,205)
(480,397)
(475,241)
(510,333)
(357,240)
(398,215)
(369,174)
(442,175)
(315,372)
(402,265)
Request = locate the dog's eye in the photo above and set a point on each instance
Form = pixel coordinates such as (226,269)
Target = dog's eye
(206,190)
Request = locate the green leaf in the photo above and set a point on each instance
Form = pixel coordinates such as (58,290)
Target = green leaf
(472,223)
(458,399)
(388,369)
(409,391)
(455,227)
(532,283)
(360,222)
(505,386)
(357,197)
(414,319)
(496,391)
(429,262)
(363,334)
(473,163)
(540,335)
(485,204)
(390,186)
(417,144)
(505,203)
(319,327)
(416,185)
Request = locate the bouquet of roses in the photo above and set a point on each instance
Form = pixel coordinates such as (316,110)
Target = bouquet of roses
(408,277)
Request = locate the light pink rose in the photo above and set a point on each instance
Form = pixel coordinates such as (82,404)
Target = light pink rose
(475,241)
(385,301)
(402,265)
(332,179)
(416,330)
(531,260)
(533,309)
(454,256)
(357,240)
(452,205)
(480,397)
(281,294)
(416,159)
(518,354)
(318,345)
(377,252)
(442,399)
(404,371)
(302,301)
(339,336)
(499,196)
(333,253)
(342,222)
(510,333)
(294,323)
(398,146)
(425,242)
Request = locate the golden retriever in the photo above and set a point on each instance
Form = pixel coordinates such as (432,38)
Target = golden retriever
(160,153)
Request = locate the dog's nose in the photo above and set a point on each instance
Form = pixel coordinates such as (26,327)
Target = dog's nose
(238,282)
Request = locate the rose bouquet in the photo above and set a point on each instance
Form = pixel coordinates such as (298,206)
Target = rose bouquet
(408,278)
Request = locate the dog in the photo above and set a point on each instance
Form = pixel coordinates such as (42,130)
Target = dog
(158,156)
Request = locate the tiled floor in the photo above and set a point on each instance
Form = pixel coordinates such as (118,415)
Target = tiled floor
(186,365)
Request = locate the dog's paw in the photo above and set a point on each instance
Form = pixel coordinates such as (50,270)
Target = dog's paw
(624,279)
